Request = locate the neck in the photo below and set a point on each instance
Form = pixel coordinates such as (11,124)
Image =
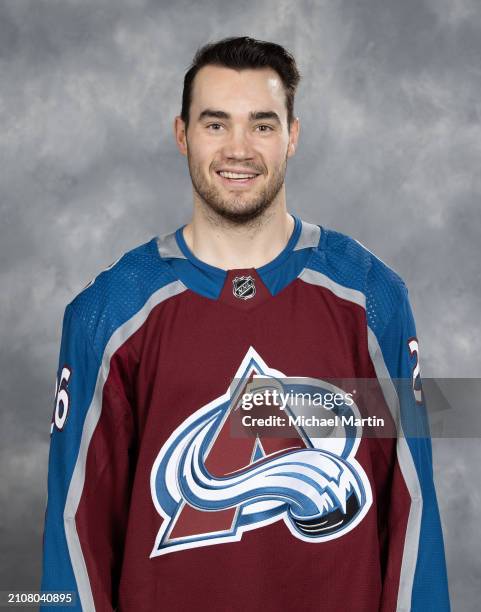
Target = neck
(228,246)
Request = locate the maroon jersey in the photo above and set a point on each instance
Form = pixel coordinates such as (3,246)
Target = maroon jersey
(155,503)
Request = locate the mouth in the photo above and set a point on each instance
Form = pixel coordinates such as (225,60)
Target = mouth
(237,178)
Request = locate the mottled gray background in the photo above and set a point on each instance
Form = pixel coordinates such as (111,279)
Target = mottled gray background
(390,153)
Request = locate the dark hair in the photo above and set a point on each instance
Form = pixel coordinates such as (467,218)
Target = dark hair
(244,52)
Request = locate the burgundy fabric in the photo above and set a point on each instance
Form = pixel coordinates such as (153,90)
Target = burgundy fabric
(183,357)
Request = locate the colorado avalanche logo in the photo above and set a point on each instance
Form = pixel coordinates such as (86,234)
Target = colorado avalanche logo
(210,487)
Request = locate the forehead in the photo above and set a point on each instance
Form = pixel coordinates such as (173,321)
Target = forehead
(238,91)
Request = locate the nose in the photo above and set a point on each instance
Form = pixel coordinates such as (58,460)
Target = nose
(237,145)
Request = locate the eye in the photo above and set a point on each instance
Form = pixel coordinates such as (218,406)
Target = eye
(269,128)
(214,125)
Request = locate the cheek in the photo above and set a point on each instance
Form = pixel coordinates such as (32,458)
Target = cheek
(203,154)
(274,153)
(276,158)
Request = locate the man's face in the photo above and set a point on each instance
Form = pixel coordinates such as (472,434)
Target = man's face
(238,124)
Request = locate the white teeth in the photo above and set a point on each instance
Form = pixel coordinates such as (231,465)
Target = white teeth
(234,175)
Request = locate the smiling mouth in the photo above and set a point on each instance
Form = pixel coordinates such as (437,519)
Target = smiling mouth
(237,178)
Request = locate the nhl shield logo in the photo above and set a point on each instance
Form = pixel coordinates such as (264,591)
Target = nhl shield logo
(244,287)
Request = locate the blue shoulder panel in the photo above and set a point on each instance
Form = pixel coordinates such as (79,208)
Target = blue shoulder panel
(342,259)
(120,291)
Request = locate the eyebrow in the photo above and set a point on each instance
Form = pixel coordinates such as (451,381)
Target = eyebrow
(253,115)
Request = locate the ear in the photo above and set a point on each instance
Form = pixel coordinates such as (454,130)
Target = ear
(180,135)
(293,137)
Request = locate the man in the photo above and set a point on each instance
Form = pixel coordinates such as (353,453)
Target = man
(154,503)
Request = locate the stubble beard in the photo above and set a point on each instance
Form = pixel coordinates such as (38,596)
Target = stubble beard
(238,209)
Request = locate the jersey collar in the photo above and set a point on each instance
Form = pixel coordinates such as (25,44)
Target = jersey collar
(269,279)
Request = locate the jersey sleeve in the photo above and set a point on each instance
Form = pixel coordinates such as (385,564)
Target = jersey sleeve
(89,475)
(415,577)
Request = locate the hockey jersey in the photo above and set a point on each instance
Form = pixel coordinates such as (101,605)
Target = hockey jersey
(153,504)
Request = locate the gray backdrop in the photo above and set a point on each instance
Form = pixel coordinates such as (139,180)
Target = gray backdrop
(389,153)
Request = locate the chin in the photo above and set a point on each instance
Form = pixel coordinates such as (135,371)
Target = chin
(241,213)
